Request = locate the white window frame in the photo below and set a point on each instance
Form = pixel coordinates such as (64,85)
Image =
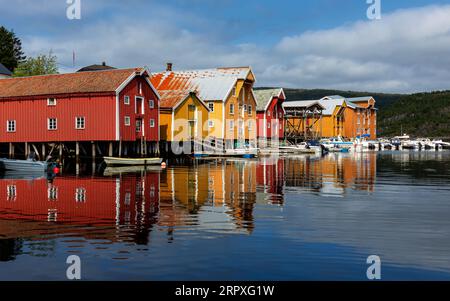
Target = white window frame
(49,103)
(126,100)
(151,103)
(12,122)
(49,123)
(81,118)
(152,123)
(127,120)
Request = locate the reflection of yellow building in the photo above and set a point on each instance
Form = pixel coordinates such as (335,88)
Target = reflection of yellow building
(332,174)
(228,185)
(228,93)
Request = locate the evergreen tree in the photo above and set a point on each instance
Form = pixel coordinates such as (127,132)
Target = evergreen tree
(11,53)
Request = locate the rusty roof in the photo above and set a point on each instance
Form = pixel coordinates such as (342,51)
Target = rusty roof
(69,83)
(208,84)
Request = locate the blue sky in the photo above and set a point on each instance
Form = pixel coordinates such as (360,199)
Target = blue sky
(304,44)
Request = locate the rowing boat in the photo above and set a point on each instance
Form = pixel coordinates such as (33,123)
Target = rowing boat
(114,161)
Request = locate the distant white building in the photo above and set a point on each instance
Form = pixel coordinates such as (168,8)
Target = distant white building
(4,72)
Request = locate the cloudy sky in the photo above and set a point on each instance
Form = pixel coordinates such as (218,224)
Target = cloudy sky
(299,44)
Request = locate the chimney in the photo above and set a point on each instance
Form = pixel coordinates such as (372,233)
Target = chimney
(169,67)
(103,63)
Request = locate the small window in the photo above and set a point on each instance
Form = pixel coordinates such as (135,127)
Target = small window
(231,108)
(245,108)
(152,123)
(80,123)
(11,126)
(138,125)
(211,107)
(51,101)
(11,191)
(268,125)
(151,103)
(80,195)
(268,113)
(140,88)
(250,110)
(233,92)
(126,100)
(127,121)
(211,123)
(52,124)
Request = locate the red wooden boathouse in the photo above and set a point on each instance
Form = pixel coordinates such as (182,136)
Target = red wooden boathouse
(117,111)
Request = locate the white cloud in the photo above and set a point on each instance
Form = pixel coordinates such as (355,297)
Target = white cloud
(405,51)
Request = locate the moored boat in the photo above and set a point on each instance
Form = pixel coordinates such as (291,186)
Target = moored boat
(114,161)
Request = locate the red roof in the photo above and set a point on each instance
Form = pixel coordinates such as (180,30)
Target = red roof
(70,83)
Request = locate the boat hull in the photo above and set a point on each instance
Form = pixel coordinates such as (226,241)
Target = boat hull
(26,166)
(113,161)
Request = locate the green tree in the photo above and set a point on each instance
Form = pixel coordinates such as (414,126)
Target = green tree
(40,65)
(11,53)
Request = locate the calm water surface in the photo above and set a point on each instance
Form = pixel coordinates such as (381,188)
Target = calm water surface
(292,218)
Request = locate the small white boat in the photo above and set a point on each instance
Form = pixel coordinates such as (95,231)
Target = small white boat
(337,143)
(29,166)
(114,161)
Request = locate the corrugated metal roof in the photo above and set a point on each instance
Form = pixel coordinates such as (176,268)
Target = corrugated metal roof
(4,70)
(69,83)
(265,96)
(208,84)
(358,99)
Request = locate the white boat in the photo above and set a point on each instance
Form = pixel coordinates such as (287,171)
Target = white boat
(337,143)
(302,148)
(114,161)
(29,166)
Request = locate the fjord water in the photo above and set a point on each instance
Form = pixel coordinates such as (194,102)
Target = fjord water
(287,218)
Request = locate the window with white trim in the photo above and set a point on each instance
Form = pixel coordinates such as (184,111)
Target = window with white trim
(211,107)
(268,125)
(127,121)
(52,124)
(140,88)
(151,104)
(80,123)
(51,101)
(152,123)
(80,195)
(11,126)
(126,100)
(11,193)
(231,108)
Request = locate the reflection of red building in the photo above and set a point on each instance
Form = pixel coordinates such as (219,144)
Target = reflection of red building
(270,176)
(130,200)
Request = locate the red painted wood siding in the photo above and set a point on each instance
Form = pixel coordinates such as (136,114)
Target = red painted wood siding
(128,133)
(99,208)
(274,106)
(31,119)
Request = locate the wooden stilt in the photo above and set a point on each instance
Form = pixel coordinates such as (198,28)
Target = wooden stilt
(77,158)
(26,150)
(110,151)
(11,150)
(43,151)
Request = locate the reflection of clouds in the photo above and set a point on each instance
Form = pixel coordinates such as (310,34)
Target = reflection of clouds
(405,222)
